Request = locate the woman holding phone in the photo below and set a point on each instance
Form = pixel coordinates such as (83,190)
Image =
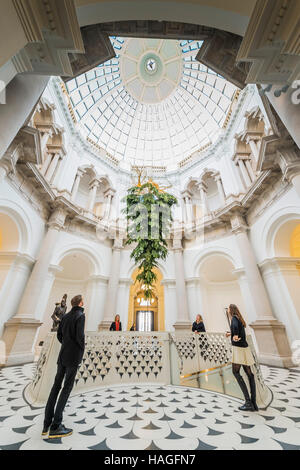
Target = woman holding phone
(242,356)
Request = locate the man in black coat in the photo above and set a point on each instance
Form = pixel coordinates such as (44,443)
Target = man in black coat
(71,335)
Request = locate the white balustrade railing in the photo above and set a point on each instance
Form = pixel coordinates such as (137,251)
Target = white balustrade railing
(115,358)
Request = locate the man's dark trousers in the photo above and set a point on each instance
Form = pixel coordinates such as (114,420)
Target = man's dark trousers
(71,336)
(69,374)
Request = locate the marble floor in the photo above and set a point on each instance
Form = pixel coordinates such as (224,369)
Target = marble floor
(154,417)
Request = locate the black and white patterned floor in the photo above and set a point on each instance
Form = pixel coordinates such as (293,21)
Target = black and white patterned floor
(153,417)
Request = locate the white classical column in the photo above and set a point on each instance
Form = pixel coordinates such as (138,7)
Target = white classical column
(270,334)
(52,167)
(203,196)
(44,314)
(93,192)
(244,172)
(183,321)
(55,177)
(221,191)
(289,162)
(20,331)
(170,302)
(254,147)
(250,170)
(19,266)
(108,202)
(194,298)
(45,165)
(187,208)
(76,184)
(113,285)
(44,140)
(95,299)
(123,301)
(281,276)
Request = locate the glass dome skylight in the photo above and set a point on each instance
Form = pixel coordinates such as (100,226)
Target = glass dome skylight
(153,104)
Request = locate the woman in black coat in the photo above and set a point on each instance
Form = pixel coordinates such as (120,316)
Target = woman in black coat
(242,357)
(198,325)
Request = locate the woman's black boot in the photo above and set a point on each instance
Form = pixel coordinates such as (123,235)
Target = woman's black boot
(248,406)
(253,392)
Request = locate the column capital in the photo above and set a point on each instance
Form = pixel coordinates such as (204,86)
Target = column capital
(110,192)
(118,244)
(79,173)
(94,183)
(289,161)
(217,177)
(177,245)
(57,218)
(202,186)
(253,135)
(238,224)
(186,193)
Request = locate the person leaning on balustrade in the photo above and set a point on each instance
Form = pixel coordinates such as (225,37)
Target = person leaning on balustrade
(116,325)
(242,356)
(198,325)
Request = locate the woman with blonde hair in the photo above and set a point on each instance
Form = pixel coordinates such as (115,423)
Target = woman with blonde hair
(198,325)
(242,356)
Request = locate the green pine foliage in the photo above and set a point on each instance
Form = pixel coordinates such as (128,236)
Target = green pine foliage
(148,212)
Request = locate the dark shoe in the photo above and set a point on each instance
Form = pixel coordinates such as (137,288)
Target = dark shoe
(248,406)
(45,430)
(61,431)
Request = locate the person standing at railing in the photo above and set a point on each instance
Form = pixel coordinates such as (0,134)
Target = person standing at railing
(133,328)
(198,325)
(242,356)
(71,336)
(116,325)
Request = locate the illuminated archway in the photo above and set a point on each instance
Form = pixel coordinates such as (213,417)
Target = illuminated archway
(138,303)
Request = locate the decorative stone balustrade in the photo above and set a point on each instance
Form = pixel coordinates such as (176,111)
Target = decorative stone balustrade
(180,358)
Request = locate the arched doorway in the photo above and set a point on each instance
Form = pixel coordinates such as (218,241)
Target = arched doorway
(280,270)
(219,285)
(72,277)
(9,244)
(147,314)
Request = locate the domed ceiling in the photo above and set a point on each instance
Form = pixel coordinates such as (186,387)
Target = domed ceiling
(153,104)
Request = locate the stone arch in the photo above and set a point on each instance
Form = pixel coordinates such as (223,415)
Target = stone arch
(132,268)
(84,251)
(72,277)
(89,168)
(215,251)
(208,173)
(233,18)
(285,219)
(218,286)
(23,224)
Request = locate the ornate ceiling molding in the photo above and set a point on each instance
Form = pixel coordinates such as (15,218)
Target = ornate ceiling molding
(272,42)
(52,31)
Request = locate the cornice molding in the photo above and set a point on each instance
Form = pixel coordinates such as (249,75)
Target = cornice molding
(272,42)
(52,30)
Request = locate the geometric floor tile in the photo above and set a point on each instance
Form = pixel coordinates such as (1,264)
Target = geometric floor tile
(154,417)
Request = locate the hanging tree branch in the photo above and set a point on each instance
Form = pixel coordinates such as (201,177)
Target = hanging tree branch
(148,212)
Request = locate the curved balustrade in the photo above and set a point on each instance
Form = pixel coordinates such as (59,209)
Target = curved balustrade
(205,362)
(179,358)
